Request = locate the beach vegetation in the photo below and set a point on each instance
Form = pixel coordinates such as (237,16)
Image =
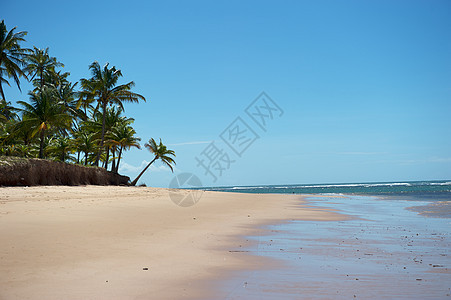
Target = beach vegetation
(74,122)
(103,88)
(12,57)
(43,115)
(40,67)
(160,152)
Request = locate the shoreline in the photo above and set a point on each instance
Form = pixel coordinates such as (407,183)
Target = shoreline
(384,251)
(97,242)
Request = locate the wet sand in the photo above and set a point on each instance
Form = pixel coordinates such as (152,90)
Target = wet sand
(438,209)
(384,252)
(131,243)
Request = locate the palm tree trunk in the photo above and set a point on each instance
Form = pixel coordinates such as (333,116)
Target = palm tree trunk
(118,160)
(113,158)
(105,164)
(42,79)
(41,144)
(1,88)
(1,92)
(113,164)
(86,158)
(133,183)
(103,134)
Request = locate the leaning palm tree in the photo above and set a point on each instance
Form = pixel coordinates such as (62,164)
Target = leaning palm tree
(161,152)
(44,114)
(102,87)
(11,56)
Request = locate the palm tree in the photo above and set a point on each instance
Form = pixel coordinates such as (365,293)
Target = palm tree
(110,119)
(61,148)
(44,114)
(20,132)
(40,64)
(123,136)
(161,152)
(7,137)
(15,150)
(85,142)
(86,96)
(56,78)
(102,87)
(11,56)
(7,112)
(66,95)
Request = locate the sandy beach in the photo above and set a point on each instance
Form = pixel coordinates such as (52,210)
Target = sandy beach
(94,242)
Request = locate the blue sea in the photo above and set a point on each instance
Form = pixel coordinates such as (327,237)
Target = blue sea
(439,190)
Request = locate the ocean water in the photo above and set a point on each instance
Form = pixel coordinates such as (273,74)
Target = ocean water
(396,245)
(435,195)
(406,190)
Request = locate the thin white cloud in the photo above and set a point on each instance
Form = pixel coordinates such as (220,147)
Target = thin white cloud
(430,160)
(425,161)
(440,159)
(361,153)
(126,168)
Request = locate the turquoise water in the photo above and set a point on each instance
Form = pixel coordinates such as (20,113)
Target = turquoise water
(436,195)
(409,190)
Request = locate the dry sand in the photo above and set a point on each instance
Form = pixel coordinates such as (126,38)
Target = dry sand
(96,242)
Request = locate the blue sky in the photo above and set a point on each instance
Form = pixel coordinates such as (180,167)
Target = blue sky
(365,86)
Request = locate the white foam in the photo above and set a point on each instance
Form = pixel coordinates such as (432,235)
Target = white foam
(440,183)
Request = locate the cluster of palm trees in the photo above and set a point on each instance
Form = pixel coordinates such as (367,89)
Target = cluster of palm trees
(85,126)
